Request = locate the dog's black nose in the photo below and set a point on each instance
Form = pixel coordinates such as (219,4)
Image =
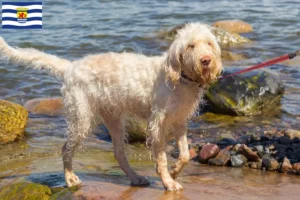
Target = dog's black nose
(205,60)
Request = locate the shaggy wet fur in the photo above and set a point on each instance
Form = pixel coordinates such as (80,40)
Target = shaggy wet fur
(108,87)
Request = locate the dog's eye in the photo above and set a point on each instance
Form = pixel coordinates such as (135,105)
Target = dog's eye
(209,43)
(191,46)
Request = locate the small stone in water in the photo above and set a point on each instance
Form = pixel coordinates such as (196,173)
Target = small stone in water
(296,168)
(286,166)
(270,164)
(260,150)
(221,159)
(208,151)
(238,160)
(248,153)
(236,147)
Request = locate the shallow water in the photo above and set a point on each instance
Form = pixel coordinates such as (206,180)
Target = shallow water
(72,29)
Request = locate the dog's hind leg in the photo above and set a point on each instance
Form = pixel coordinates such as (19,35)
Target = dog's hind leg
(80,124)
(184,155)
(116,129)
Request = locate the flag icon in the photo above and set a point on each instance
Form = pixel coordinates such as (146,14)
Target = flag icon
(22,15)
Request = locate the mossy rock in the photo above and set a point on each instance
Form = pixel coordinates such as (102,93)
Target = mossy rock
(25,190)
(225,38)
(252,93)
(62,193)
(13,119)
(136,129)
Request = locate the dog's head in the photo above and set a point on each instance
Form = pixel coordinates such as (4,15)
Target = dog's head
(196,53)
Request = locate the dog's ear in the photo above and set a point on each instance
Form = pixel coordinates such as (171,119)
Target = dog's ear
(173,65)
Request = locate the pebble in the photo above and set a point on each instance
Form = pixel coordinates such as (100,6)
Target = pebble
(292,133)
(270,163)
(286,166)
(221,159)
(296,168)
(208,151)
(238,160)
(248,153)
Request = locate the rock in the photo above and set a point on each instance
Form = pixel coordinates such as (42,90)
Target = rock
(280,156)
(136,129)
(248,153)
(25,190)
(252,93)
(292,133)
(260,150)
(227,55)
(296,140)
(226,136)
(236,147)
(296,168)
(286,166)
(221,159)
(63,193)
(227,39)
(13,119)
(270,163)
(284,140)
(259,164)
(193,153)
(238,160)
(45,106)
(235,26)
(253,165)
(224,37)
(226,142)
(208,151)
(271,147)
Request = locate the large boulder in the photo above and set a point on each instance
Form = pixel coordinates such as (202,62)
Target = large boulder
(225,38)
(234,26)
(25,190)
(252,93)
(13,119)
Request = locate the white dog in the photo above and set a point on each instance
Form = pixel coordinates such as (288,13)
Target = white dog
(165,90)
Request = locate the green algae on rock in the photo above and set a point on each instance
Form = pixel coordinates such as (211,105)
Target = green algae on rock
(13,119)
(253,93)
(25,190)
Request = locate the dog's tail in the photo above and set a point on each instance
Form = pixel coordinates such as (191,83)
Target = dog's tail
(34,58)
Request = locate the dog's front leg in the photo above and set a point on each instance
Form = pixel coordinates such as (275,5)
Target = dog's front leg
(184,155)
(158,130)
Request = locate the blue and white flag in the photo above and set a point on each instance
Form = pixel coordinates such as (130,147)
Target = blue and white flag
(22,15)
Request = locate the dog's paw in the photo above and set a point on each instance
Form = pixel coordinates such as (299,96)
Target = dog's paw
(140,181)
(173,186)
(72,179)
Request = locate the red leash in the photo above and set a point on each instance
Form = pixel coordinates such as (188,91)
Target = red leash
(265,64)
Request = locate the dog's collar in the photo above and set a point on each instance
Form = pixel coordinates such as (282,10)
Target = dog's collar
(184,79)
